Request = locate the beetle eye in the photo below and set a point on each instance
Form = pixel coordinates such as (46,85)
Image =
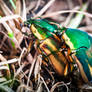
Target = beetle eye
(27,24)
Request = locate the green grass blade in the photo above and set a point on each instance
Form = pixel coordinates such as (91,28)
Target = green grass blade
(13,5)
(4,88)
(75,22)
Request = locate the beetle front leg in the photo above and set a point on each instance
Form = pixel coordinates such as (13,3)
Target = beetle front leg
(68,56)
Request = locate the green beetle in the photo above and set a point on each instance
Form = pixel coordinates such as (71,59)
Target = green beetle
(49,44)
(77,43)
(80,44)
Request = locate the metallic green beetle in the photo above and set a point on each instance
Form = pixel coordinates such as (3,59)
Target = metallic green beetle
(49,44)
(80,43)
(77,43)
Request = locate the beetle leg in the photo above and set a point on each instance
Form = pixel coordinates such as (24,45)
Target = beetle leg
(70,59)
(66,70)
(30,46)
(69,55)
(81,69)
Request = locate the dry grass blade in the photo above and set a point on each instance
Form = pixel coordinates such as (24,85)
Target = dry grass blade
(18,7)
(10,17)
(9,30)
(38,4)
(70,16)
(87,29)
(21,55)
(31,69)
(24,11)
(22,86)
(66,11)
(38,68)
(4,68)
(40,87)
(45,84)
(19,70)
(44,8)
(58,84)
(5,8)
(9,61)
(2,58)
(4,39)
